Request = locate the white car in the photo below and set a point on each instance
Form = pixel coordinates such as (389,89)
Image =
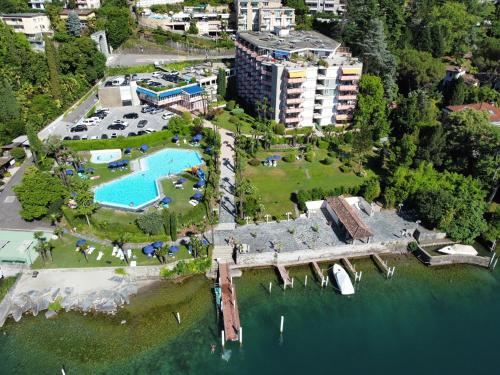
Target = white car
(88,121)
(150,130)
(157,74)
(96,119)
(167,115)
(94,137)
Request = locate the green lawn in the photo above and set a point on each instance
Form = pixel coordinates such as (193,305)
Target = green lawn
(224,121)
(5,285)
(65,256)
(276,184)
(180,197)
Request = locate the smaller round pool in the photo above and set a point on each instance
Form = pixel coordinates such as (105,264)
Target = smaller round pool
(105,156)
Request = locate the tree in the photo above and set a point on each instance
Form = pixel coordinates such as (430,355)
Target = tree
(37,191)
(166,221)
(221,84)
(84,197)
(81,57)
(302,19)
(161,254)
(192,28)
(73,24)
(187,117)
(173,227)
(10,122)
(371,110)
(454,92)
(150,222)
(51,53)
(117,21)
(418,70)
(370,190)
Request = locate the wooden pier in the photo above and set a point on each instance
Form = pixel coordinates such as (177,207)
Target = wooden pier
(319,274)
(389,271)
(285,277)
(229,305)
(351,269)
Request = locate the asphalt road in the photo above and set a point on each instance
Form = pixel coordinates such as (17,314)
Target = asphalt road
(140,59)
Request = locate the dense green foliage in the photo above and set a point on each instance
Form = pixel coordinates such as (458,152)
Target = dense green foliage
(115,17)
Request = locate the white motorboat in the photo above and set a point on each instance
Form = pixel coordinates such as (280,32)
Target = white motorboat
(458,249)
(343,280)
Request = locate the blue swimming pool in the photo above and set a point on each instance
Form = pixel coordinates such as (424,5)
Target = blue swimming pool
(140,188)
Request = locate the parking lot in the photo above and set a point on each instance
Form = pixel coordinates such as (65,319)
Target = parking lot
(154,122)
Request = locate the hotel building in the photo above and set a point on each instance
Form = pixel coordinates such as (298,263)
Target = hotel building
(306,78)
(265,15)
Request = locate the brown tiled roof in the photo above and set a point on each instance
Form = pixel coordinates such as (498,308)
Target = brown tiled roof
(349,217)
(493,111)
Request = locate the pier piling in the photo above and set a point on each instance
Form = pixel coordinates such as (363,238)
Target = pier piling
(305,281)
(389,271)
(282,323)
(270,287)
(223,338)
(240,334)
(178,318)
(352,270)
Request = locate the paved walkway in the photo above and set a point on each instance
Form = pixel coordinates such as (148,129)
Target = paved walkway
(227,208)
(10,206)
(128,59)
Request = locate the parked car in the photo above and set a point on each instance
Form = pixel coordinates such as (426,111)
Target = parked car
(150,130)
(156,110)
(134,76)
(131,134)
(147,108)
(88,122)
(142,123)
(116,127)
(157,74)
(141,132)
(164,127)
(113,135)
(67,138)
(120,122)
(76,138)
(167,115)
(104,136)
(94,137)
(131,115)
(78,128)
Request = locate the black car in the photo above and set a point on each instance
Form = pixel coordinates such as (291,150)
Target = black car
(131,115)
(142,123)
(104,136)
(131,134)
(67,138)
(164,127)
(134,76)
(78,128)
(76,138)
(116,127)
(141,132)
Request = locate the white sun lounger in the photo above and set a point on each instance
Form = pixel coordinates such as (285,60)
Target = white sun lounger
(90,250)
(133,263)
(114,252)
(193,202)
(100,255)
(129,253)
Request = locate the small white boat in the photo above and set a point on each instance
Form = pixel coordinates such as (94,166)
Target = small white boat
(458,249)
(343,280)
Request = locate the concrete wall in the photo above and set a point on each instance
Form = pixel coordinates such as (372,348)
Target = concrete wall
(429,236)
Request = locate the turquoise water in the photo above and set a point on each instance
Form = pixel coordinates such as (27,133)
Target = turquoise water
(424,321)
(105,156)
(139,188)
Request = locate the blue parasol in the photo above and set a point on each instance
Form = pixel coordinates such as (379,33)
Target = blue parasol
(166,200)
(173,249)
(81,242)
(148,250)
(157,244)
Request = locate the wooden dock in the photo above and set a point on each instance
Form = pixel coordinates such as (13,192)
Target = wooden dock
(285,277)
(389,271)
(319,274)
(229,305)
(351,269)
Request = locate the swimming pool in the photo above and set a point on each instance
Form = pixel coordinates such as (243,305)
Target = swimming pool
(105,156)
(140,188)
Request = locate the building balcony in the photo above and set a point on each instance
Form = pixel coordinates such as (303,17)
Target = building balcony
(349,78)
(345,107)
(350,88)
(339,117)
(295,101)
(347,97)
(296,80)
(291,120)
(298,90)
(293,110)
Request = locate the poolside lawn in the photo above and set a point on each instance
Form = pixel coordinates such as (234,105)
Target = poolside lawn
(180,197)
(276,184)
(65,256)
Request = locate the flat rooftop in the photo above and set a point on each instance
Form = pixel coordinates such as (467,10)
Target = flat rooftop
(22,15)
(296,40)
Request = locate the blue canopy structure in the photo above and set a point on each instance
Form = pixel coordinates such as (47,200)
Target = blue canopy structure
(90,170)
(69,172)
(208,150)
(112,164)
(144,148)
(200,183)
(148,250)
(81,169)
(81,242)
(166,200)
(175,138)
(157,244)
(128,150)
(173,249)
(200,174)
(197,196)
(197,138)
(181,180)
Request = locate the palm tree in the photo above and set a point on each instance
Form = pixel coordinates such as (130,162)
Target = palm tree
(161,254)
(59,231)
(120,240)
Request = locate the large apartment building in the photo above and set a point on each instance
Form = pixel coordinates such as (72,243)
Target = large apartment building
(305,77)
(80,4)
(318,6)
(33,25)
(266,15)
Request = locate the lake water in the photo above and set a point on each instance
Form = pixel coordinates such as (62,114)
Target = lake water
(432,321)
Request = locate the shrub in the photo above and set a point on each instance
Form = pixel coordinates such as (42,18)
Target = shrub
(254,162)
(370,190)
(183,268)
(197,121)
(332,154)
(412,246)
(279,129)
(187,117)
(348,137)
(310,156)
(150,222)
(291,156)
(238,111)
(230,105)
(345,168)
(327,161)
(18,153)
